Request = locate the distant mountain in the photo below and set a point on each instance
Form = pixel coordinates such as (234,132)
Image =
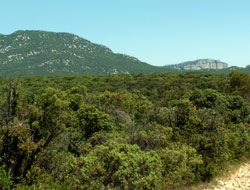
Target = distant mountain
(199,64)
(25,53)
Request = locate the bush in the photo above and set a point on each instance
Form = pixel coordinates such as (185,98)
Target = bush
(119,166)
(5,182)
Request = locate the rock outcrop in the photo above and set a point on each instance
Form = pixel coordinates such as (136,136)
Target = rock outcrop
(237,180)
(200,64)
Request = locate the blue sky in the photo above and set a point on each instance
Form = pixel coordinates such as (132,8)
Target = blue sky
(159,32)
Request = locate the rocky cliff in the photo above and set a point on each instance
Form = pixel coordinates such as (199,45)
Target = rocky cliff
(200,64)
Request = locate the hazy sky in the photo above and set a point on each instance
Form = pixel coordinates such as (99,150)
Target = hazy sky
(159,32)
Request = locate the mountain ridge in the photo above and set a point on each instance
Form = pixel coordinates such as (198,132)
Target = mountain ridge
(49,53)
(37,52)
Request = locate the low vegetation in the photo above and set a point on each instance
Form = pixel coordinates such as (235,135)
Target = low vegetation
(145,131)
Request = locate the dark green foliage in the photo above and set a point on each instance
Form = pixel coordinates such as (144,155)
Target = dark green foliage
(180,164)
(5,182)
(120,166)
(152,137)
(10,101)
(90,120)
(146,131)
(240,84)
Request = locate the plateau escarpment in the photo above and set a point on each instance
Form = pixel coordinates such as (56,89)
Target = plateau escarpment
(200,64)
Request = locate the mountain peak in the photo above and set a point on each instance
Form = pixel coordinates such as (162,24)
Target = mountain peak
(31,52)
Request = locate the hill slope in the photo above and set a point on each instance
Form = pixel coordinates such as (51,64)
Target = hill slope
(25,53)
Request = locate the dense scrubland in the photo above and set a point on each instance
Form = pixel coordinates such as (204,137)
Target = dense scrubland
(144,131)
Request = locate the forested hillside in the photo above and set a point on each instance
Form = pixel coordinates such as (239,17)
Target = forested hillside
(144,131)
(28,53)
